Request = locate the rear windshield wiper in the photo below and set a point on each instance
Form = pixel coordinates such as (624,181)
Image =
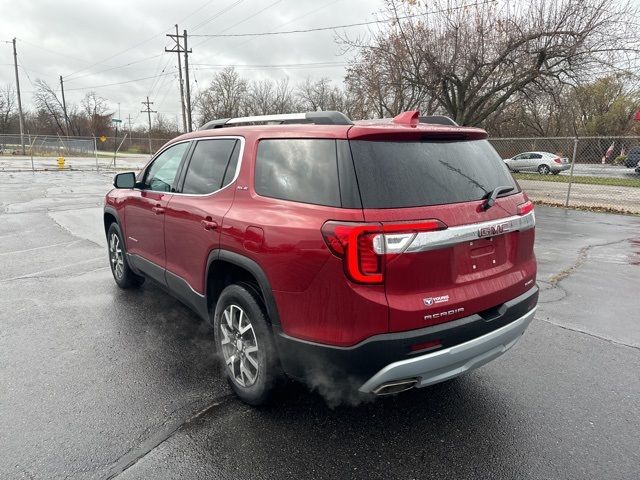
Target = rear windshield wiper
(494,194)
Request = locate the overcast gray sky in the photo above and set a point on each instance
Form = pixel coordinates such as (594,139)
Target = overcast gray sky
(92,43)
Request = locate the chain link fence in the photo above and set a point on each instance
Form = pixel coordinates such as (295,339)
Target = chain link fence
(592,172)
(54,152)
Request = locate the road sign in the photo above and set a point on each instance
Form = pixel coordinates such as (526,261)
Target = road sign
(116,120)
(103,138)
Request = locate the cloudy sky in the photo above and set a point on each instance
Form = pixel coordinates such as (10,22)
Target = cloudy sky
(94,45)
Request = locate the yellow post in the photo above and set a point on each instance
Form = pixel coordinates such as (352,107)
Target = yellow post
(60,163)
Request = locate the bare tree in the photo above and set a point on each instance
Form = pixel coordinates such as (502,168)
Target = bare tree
(474,58)
(224,97)
(95,114)
(49,105)
(265,97)
(377,84)
(7,108)
(321,95)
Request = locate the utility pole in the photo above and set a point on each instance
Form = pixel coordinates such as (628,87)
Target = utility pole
(148,111)
(186,74)
(64,106)
(129,117)
(178,49)
(15,64)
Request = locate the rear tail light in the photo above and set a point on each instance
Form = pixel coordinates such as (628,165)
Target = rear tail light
(525,208)
(362,246)
(557,160)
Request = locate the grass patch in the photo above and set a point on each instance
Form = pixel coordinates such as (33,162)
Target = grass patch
(615,182)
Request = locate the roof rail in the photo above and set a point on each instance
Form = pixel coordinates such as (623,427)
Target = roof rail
(438,120)
(316,118)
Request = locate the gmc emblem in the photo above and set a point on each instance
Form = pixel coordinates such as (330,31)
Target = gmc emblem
(493,230)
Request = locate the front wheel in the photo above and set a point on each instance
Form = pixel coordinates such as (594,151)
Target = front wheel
(245,343)
(122,273)
(544,169)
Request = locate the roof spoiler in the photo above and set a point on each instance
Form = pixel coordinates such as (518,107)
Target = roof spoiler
(412,117)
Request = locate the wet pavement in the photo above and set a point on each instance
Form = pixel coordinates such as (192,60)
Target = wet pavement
(96,382)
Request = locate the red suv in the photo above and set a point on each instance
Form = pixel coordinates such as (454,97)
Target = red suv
(385,254)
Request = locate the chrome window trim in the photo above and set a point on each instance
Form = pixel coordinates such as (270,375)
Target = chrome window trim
(425,241)
(212,137)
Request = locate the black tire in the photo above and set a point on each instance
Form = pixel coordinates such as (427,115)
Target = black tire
(544,169)
(256,391)
(124,276)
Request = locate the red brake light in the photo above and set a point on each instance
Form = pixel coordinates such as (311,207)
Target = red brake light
(525,208)
(362,246)
(557,160)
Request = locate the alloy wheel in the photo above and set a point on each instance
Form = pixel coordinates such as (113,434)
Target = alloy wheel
(239,346)
(116,255)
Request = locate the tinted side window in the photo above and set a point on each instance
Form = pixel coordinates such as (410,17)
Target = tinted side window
(299,170)
(208,165)
(162,172)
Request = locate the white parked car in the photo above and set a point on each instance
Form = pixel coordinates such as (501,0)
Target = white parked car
(541,162)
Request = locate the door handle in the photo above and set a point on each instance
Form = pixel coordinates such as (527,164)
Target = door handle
(209,224)
(158,210)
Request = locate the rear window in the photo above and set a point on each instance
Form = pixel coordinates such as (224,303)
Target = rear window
(412,174)
(304,170)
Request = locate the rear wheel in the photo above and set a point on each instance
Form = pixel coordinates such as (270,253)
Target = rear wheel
(245,343)
(544,169)
(122,273)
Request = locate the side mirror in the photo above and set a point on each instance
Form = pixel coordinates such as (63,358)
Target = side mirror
(124,180)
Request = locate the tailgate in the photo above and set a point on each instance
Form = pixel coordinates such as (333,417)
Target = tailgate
(478,260)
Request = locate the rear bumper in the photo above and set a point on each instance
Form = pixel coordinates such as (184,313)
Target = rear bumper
(448,363)
(359,364)
(555,167)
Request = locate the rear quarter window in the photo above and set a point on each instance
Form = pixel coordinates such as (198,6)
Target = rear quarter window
(422,173)
(300,170)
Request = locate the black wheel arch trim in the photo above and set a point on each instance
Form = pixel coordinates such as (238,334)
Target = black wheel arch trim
(112,211)
(256,270)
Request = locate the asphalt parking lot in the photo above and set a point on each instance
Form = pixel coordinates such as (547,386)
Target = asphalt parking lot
(97,383)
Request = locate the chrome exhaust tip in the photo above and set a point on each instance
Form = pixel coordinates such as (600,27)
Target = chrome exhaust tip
(397,386)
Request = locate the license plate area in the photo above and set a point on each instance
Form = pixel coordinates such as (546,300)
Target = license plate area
(480,257)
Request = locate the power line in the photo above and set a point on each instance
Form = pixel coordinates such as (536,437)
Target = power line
(133,46)
(119,83)
(297,66)
(240,22)
(335,27)
(219,13)
(311,12)
(55,52)
(112,68)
